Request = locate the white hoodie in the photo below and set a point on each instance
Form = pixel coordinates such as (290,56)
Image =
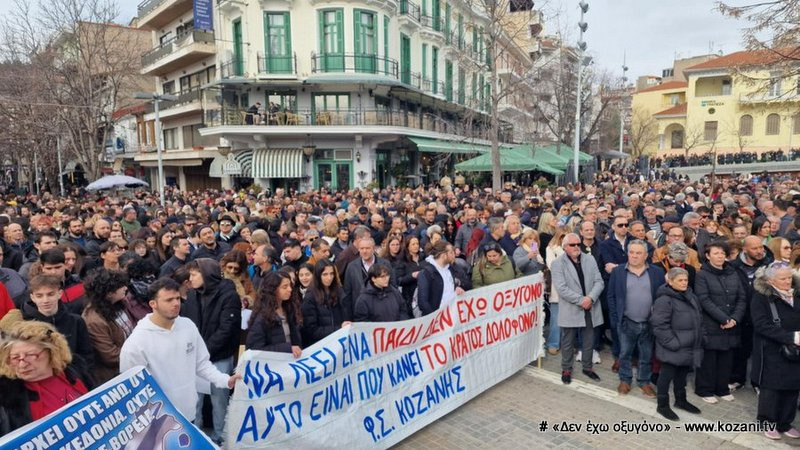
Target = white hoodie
(175,358)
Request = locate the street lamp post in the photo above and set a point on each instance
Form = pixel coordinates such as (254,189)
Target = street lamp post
(581,48)
(622,104)
(156,97)
(60,166)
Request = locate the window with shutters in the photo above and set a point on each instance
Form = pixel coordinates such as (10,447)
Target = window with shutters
(425,62)
(710,131)
(746,125)
(405,59)
(448,80)
(331,35)
(462,86)
(277,43)
(773,125)
(366,41)
(435,69)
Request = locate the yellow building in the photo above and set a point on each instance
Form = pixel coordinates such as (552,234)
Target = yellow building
(737,102)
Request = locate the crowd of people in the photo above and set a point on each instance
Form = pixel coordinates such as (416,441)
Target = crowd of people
(742,157)
(676,277)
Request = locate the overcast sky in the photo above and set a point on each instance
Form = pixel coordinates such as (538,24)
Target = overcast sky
(649,32)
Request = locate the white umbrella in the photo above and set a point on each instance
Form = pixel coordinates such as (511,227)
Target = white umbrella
(115,181)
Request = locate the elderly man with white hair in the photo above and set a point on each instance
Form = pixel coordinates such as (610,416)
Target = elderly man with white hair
(579,284)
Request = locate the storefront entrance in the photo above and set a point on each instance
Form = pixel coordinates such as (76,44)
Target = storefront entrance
(334,175)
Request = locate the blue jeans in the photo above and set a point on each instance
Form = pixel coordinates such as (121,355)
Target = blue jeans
(639,336)
(554,336)
(219,402)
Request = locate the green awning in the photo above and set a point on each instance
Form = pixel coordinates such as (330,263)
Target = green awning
(549,155)
(440,146)
(511,160)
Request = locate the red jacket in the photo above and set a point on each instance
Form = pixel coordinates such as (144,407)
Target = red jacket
(6,304)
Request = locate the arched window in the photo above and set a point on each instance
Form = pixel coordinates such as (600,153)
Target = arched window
(773,124)
(746,125)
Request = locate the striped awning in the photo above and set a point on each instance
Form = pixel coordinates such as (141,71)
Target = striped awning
(245,158)
(277,163)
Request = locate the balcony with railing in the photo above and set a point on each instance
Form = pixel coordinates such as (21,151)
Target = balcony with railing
(381,117)
(186,48)
(410,16)
(232,68)
(155,14)
(277,65)
(189,101)
(354,63)
(432,28)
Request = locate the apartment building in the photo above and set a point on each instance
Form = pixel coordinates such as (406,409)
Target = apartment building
(745,100)
(181,61)
(323,94)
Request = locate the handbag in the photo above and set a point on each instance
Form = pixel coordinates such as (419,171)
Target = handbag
(789,351)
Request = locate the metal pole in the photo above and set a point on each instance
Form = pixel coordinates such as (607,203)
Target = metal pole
(622,106)
(60,166)
(159,150)
(36,172)
(576,147)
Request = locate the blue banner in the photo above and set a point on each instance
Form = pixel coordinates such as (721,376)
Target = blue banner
(130,411)
(202,15)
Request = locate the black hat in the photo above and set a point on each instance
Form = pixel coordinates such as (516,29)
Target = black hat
(672,219)
(354,221)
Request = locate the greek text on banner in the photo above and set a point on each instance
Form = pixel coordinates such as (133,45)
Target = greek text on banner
(130,411)
(374,384)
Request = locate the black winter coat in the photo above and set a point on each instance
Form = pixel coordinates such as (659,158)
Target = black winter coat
(216,310)
(216,253)
(770,369)
(722,297)
(15,410)
(677,323)
(405,280)
(380,305)
(320,320)
(268,335)
(72,327)
(431,288)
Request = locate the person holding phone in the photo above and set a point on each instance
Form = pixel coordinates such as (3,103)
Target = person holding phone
(527,257)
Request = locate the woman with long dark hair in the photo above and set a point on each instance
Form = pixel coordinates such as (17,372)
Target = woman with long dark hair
(407,269)
(163,251)
(107,319)
(762,228)
(276,320)
(322,308)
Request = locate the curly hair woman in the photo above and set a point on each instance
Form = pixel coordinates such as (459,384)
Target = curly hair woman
(36,377)
(107,319)
(276,320)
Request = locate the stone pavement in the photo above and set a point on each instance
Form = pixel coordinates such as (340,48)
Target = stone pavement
(510,414)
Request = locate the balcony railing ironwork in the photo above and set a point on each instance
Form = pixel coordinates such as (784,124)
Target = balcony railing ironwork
(354,63)
(348,117)
(277,64)
(434,23)
(147,6)
(233,67)
(168,47)
(411,9)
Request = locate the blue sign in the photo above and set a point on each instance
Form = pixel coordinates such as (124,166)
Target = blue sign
(130,411)
(202,15)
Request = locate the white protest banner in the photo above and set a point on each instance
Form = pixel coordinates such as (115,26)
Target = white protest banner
(128,412)
(374,384)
